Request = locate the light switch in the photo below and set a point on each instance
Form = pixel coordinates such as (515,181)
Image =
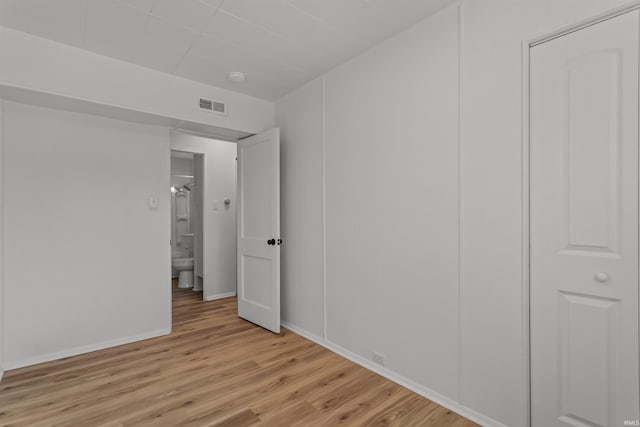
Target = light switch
(214,205)
(154,201)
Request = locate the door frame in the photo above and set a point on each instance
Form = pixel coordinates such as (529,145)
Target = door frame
(526,174)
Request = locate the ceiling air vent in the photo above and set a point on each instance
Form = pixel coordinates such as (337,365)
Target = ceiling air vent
(216,106)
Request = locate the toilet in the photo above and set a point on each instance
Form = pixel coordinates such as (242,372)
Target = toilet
(184,267)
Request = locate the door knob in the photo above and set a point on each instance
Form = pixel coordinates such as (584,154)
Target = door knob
(602,277)
(271,242)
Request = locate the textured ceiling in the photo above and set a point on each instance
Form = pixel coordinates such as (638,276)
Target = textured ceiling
(279,44)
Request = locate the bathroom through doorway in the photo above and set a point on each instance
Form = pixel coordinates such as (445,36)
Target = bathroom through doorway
(203,215)
(186,219)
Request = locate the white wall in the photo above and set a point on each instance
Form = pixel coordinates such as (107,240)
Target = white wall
(300,118)
(391,203)
(398,281)
(77,188)
(219,226)
(2,364)
(390,125)
(41,65)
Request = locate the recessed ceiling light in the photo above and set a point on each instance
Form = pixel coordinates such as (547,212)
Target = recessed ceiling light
(237,76)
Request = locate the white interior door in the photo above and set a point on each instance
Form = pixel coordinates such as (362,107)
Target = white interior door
(584,227)
(259,229)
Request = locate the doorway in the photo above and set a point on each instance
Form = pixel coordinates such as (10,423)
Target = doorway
(583,224)
(240,183)
(214,171)
(187,193)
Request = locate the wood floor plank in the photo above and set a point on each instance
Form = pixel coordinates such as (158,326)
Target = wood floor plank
(214,369)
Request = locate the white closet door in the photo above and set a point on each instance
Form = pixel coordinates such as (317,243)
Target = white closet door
(584,226)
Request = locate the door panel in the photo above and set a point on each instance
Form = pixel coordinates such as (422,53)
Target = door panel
(593,122)
(584,226)
(255,270)
(256,220)
(259,229)
(587,354)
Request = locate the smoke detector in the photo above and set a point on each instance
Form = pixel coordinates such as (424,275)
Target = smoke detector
(237,77)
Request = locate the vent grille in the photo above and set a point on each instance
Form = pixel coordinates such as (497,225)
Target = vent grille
(219,107)
(206,104)
(216,106)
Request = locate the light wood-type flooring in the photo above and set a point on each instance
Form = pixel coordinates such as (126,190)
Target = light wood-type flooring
(214,369)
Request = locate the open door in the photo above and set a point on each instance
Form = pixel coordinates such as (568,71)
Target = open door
(258,229)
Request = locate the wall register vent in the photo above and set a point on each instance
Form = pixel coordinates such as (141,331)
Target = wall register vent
(215,106)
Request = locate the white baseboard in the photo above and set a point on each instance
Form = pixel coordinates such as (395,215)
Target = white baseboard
(398,379)
(1,374)
(304,333)
(219,296)
(84,349)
